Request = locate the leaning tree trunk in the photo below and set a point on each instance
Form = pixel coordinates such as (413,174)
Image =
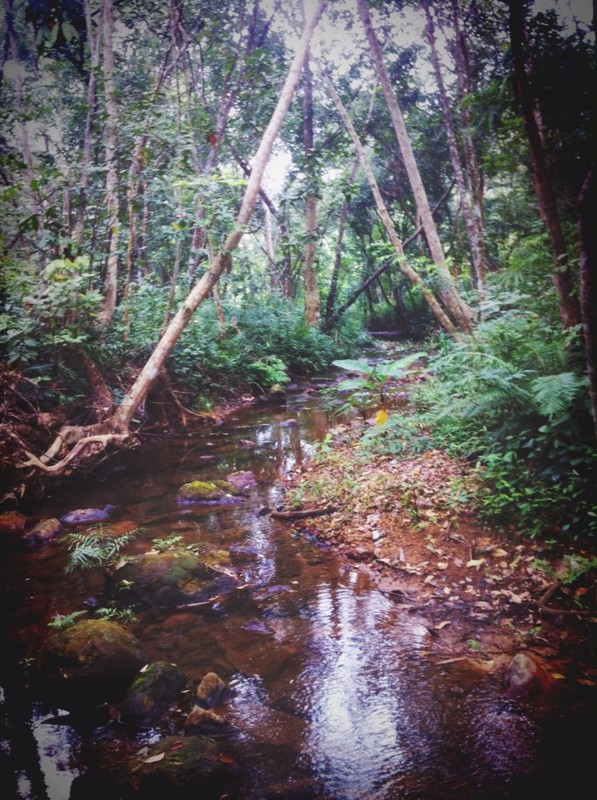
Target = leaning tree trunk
(562,274)
(116,429)
(441,316)
(460,313)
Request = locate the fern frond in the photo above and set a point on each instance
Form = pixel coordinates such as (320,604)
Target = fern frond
(553,394)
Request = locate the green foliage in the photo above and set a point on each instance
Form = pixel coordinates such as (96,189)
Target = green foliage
(268,371)
(45,316)
(512,399)
(375,378)
(169,543)
(95,548)
(61,621)
(110,612)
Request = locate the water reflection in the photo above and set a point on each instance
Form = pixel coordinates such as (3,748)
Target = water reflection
(336,688)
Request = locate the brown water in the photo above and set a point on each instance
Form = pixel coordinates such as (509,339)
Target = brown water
(337,691)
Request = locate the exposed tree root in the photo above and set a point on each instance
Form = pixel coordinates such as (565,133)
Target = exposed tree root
(549,593)
(87,446)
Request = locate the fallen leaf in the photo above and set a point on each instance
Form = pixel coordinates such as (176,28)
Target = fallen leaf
(154,759)
(475,562)
(443,624)
(558,676)
(225,758)
(381,417)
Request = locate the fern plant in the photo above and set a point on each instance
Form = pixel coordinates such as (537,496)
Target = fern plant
(95,548)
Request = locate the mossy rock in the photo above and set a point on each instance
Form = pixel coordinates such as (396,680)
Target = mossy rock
(183,767)
(167,580)
(209,492)
(151,694)
(93,650)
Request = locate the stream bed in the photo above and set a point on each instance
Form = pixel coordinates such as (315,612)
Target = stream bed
(334,690)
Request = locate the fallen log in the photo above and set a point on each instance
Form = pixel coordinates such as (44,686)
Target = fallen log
(310,512)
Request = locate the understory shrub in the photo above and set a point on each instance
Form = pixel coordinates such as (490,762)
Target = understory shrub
(513,400)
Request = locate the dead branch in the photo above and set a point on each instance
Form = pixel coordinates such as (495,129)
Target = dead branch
(549,593)
(312,512)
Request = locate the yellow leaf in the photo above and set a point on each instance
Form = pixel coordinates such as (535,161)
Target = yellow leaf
(381,417)
(443,624)
(558,676)
(475,562)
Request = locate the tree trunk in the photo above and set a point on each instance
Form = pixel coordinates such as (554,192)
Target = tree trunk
(562,275)
(588,283)
(93,44)
(460,313)
(309,273)
(403,265)
(111,277)
(472,221)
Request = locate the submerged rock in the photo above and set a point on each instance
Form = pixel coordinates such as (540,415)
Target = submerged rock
(83,515)
(93,650)
(151,694)
(181,767)
(174,578)
(202,720)
(242,481)
(43,532)
(209,492)
(12,522)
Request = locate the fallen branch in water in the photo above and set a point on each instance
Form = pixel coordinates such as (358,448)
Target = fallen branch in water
(310,512)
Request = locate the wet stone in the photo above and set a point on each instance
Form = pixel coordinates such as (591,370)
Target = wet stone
(151,694)
(211,691)
(43,532)
(181,767)
(12,522)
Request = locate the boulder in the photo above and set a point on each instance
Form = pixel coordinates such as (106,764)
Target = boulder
(151,694)
(209,492)
(12,522)
(242,481)
(43,532)
(81,516)
(202,720)
(181,767)
(93,650)
(211,691)
(171,579)
(526,676)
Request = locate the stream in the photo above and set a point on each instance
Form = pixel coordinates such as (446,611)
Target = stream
(335,692)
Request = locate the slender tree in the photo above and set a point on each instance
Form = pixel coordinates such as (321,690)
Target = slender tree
(460,313)
(403,264)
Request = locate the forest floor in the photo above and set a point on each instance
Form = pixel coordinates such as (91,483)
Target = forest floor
(482,594)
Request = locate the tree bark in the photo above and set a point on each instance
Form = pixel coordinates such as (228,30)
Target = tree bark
(309,273)
(562,275)
(112,211)
(588,283)
(461,314)
(473,222)
(439,313)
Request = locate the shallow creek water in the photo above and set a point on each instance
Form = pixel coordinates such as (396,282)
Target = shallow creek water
(336,690)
